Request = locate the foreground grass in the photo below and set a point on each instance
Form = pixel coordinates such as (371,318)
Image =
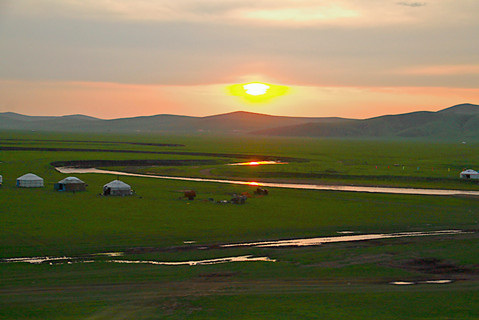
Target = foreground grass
(331,281)
(352,304)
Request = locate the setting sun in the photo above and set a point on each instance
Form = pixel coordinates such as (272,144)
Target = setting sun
(257,91)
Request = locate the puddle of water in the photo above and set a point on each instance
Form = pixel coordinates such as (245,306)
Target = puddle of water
(320,241)
(405,283)
(438,281)
(71,260)
(246,258)
(35,260)
(433,192)
(199,262)
(262,244)
(256,163)
(110,254)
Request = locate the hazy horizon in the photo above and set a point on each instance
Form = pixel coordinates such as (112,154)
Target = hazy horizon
(235,111)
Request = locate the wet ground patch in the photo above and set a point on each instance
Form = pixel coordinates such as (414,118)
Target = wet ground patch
(438,267)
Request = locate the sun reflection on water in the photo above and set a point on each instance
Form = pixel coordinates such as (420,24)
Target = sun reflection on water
(256,163)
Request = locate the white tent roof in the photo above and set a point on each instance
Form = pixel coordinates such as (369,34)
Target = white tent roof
(69,180)
(117,185)
(469,171)
(30,177)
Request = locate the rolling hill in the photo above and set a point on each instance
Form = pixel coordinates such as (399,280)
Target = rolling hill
(460,121)
(457,122)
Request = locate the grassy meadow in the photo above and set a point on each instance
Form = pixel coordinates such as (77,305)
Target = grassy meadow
(331,281)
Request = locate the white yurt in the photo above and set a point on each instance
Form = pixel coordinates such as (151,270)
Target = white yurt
(469,174)
(29,180)
(70,184)
(117,188)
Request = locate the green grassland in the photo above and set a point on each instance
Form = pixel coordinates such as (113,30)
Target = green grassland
(332,281)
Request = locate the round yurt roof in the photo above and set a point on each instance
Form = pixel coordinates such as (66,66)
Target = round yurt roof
(117,185)
(70,180)
(469,171)
(29,176)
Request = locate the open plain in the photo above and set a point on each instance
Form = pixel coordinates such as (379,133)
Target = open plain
(158,255)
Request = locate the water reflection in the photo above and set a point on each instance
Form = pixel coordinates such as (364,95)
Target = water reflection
(245,258)
(407,283)
(35,260)
(110,254)
(402,283)
(256,163)
(70,260)
(433,192)
(322,240)
(437,281)
(248,258)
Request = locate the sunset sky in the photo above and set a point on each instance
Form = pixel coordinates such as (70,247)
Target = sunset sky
(346,58)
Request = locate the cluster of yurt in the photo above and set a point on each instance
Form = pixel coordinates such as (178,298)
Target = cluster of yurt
(73,184)
(70,184)
(30,180)
(117,188)
(469,174)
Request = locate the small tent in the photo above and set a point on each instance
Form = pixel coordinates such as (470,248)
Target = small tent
(29,180)
(469,174)
(70,184)
(117,188)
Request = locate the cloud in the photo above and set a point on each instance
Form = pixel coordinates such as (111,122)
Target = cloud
(261,13)
(306,14)
(185,42)
(441,70)
(412,4)
(283,12)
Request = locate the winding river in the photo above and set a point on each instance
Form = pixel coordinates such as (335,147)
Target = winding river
(431,192)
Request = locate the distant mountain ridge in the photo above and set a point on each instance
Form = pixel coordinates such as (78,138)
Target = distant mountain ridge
(459,121)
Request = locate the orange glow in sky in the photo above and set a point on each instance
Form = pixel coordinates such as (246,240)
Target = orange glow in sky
(115,100)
